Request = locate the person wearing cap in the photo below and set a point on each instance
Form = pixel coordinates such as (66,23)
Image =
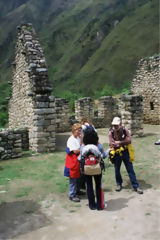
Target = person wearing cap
(72,168)
(119,139)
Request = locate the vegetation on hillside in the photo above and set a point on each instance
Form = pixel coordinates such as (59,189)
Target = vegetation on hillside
(92,47)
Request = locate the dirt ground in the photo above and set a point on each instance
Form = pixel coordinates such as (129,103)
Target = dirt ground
(128,216)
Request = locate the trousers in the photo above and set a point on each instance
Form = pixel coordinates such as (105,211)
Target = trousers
(129,167)
(72,187)
(98,189)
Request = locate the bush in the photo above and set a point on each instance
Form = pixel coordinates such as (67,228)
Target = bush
(72,97)
(107,91)
(3,119)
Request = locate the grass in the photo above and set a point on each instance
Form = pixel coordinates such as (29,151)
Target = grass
(37,176)
(23,192)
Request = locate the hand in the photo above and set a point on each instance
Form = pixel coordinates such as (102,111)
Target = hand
(76,151)
(111,148)
(117,143)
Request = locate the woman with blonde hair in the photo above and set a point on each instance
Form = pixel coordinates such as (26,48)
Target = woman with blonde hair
(72,168)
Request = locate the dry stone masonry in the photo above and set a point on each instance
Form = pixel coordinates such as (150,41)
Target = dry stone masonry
(84,108)
(62,115)
(131,111)
(35,115)
(31,104)
(12,141)
(147,84)
(107,109)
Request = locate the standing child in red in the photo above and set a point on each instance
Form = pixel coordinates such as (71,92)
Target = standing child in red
(72,169)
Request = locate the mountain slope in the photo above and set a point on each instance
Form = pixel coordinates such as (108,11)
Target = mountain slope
(92,47)
(106,54)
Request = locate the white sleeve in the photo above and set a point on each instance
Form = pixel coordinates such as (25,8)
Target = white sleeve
(73,144)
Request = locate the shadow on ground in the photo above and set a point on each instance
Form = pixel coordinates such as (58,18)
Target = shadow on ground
(20,217)
(142,185)
(148,135)
(117,204)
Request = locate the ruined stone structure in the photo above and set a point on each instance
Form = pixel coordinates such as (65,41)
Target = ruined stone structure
(84,108)
(131,111)
(12,142)
(31,104)
(107,109)
(147,84)
(62,115)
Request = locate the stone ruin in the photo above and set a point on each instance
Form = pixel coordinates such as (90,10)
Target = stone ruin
(12,142)
(131,112)
(147,84)
(128,107)
(63,122)
(106,110)
(35,116)
(31,104)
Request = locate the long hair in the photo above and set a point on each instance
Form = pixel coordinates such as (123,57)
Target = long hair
(90,137)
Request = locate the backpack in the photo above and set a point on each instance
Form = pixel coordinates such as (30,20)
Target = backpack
(91,161)
(92,165)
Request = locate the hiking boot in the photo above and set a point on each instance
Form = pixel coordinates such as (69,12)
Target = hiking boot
(74,199)
(138,190)
(119,188)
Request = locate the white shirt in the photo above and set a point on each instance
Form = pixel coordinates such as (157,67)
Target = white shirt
(73,143)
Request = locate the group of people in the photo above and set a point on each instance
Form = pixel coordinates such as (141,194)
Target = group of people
(85,138)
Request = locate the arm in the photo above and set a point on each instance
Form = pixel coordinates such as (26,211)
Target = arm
(74,145)
(111,140)
(101,149)
(127,139)
(117,143)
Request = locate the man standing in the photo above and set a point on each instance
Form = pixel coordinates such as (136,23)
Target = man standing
(119,139)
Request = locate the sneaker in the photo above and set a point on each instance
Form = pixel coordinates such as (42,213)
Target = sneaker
(119,188)
(138,190)
(157,143)
(74,199)
(105,205)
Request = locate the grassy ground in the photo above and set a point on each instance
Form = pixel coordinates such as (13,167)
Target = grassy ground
(36,176)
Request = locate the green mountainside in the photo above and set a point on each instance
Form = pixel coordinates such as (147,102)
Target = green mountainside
(92,47)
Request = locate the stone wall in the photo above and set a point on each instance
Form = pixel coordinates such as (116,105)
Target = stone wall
(84,108)
(107,109)
(131,111)
(63,123)
(31,104)
(147,84)
(12,142)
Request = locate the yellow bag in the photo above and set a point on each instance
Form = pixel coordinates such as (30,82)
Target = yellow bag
(131,153)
